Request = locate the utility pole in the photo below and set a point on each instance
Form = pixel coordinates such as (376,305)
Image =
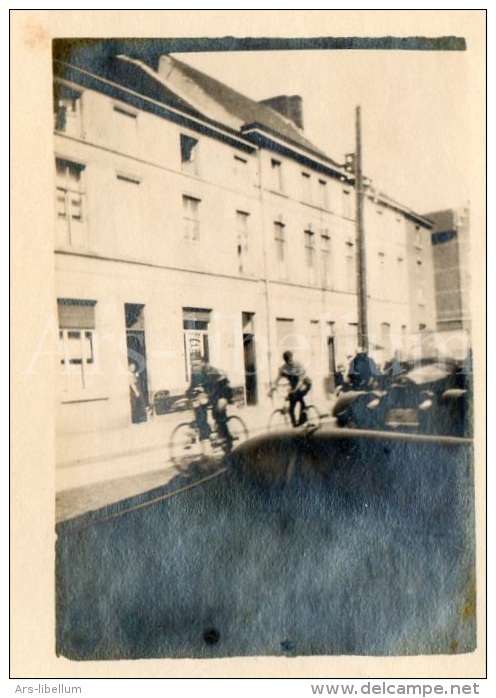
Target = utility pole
(363,333)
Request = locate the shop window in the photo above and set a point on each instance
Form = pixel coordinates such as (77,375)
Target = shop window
(195,326)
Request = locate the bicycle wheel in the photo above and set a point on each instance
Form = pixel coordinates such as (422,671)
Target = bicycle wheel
(279,419)
(238,431)
(185,445)
(313,416)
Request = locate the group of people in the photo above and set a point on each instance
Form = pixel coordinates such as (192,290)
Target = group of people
(210,389)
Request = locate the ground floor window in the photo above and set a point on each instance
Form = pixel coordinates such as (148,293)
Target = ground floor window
(195,327)
(76,335)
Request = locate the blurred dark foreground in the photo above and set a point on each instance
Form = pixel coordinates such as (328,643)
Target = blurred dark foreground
(322,543)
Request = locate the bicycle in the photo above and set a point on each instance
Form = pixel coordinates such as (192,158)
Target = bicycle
(280,419)
(186,444)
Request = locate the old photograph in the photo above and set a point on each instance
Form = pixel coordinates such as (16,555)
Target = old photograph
(261,347)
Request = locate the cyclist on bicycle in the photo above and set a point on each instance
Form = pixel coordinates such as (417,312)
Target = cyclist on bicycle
(211,388)
(299,385)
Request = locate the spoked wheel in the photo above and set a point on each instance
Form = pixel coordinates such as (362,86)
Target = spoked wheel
(238,431)
(185,445)
(279,419)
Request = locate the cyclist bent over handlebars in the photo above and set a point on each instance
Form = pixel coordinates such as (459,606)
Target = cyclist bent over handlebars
(210,386)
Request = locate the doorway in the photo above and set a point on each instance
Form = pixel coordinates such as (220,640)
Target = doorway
(250,359)
(136,356)
(331,363)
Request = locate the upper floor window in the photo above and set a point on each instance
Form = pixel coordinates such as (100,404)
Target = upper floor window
(326,257)
(69,200)
(350,268)
(123,111)
(67,110)
(191,218)
(381,276)
(189,154)
(310,248)
(242,219)
(124,132)
(277,182)
(241,171)
(306,187)
(279,238)
(347,207)
(323,196)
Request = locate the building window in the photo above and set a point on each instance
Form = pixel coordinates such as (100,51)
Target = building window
(191,218)
(241,171)
(350,268)
(381,276)
(306,187)
(404,342)
(279,240)
(189,154)
(310,248)
(76,335)
(285,333)
(323,197)
(124,133)
(242,219)
(421,295)
(128,113)
(325,241)
(69,201)
(418,237)
(67,110)
(277,183)
(195,327)
(386,341)
(347,212)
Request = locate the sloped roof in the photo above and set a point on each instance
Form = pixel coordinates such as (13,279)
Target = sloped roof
(221,102)
(178,85)
(131,74)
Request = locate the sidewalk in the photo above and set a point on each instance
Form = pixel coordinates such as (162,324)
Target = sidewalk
(112,468)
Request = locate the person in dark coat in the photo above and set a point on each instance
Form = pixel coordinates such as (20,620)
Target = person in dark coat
(362,370)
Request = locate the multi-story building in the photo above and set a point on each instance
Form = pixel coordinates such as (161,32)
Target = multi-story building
(192,221)
(450,243)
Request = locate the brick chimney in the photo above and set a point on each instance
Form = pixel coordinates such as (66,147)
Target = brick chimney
(289,106)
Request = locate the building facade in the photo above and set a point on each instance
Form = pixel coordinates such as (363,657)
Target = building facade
(450,245)
(192,221)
